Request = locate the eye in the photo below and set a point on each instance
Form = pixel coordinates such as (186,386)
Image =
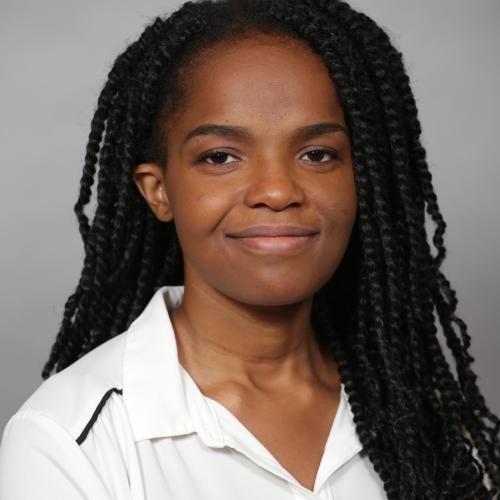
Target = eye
(319,153)
(218,156)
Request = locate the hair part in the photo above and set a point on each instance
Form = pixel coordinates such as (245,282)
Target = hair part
(429,434)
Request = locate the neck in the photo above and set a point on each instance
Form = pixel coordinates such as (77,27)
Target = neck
(260,349)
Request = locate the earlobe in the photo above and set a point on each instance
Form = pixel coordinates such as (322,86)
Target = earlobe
(149,179)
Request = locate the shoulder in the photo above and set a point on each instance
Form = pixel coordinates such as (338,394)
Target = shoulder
(72,396)
(42,440)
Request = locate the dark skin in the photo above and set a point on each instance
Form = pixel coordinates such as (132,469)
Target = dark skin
(244,327)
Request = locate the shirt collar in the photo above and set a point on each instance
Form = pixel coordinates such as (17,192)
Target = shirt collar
(163,400)
(158,400)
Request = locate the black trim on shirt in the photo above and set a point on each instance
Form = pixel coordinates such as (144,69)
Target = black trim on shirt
(81,438)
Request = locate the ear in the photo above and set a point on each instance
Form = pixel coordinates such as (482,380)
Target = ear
(149,179)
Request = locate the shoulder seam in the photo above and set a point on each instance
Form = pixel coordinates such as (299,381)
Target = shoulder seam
(81,438)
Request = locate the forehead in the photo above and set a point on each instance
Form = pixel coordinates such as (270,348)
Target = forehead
(263,78)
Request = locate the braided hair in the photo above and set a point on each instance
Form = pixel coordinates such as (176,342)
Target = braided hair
(428,433)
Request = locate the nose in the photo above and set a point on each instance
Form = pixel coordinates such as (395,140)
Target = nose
(274,183)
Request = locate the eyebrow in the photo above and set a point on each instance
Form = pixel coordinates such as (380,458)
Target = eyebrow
(241,132)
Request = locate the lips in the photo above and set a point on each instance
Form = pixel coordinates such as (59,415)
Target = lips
(275,239)
(275,244)
(273,230)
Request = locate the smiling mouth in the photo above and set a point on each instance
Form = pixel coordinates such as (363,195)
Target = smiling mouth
(275,244)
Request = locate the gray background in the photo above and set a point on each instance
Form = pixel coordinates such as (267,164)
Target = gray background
(55,56)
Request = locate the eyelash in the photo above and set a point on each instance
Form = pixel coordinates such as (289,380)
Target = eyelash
(331,152)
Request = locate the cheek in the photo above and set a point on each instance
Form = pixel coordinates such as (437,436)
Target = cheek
(338,206)
(197,214)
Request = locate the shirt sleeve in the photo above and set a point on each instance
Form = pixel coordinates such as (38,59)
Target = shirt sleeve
(39,460)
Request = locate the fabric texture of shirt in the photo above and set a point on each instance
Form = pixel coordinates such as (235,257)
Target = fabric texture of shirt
(127,422)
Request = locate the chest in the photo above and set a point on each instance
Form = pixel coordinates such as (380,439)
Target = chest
(294,433)
(184,467)
(187,466)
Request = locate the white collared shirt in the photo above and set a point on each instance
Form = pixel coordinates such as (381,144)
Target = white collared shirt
(127,422)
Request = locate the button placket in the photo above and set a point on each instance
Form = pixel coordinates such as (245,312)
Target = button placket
(329,493)
(298,494)
(304,494)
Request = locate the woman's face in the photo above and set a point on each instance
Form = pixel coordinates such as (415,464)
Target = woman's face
(264,165)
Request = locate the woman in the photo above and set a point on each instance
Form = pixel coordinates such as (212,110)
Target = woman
(255,315)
